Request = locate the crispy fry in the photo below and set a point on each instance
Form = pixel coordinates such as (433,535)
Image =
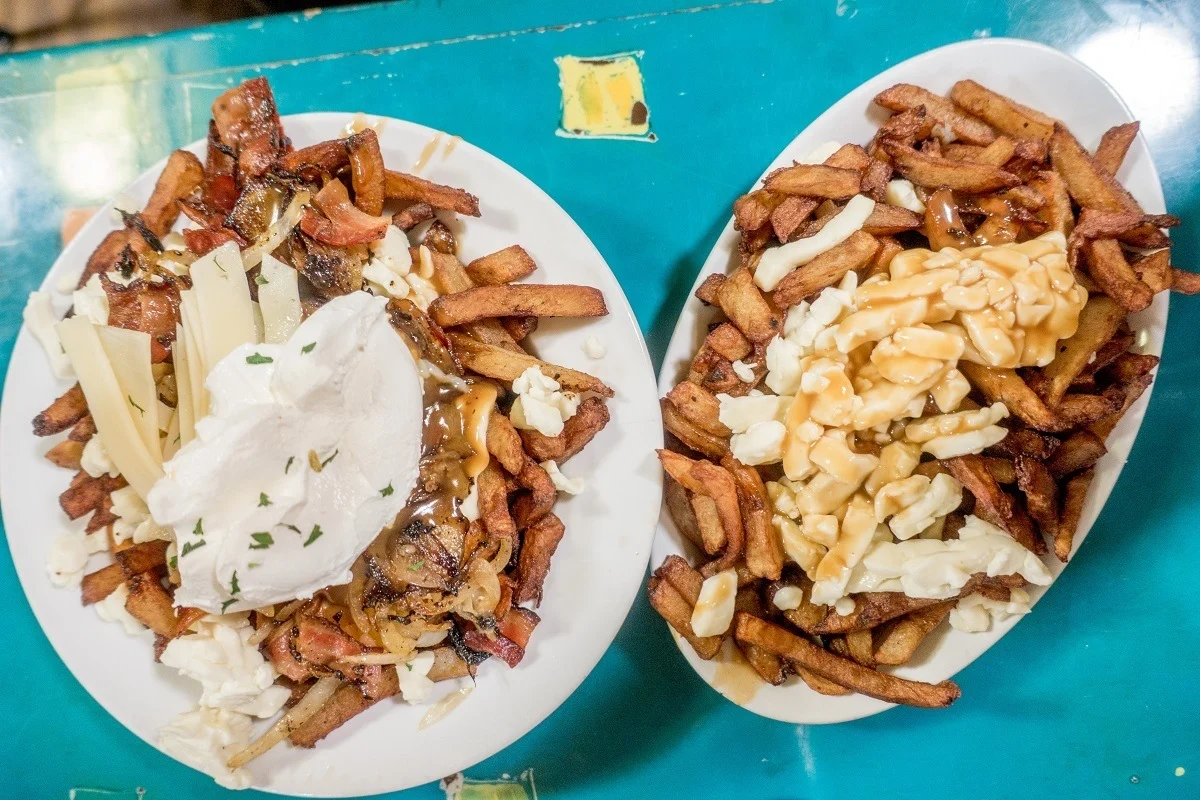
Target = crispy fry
(1154,270)
(991,502)
(712,481)
(871,609)
(65,454)
(1074,494)
(1080,451)
(412,216)
(493,503)
(898,640)
(674,589)
(746,307)
(906,128)
(180,177)
(539,542)
(708,524)
(960,176)
(884,687)
(402,186)
(690,434)
(64,412)
(679,506)
(1056,213)
(86,493)
(143,558)
(1114,144)
(366,171)
(520,300)
(1006,386)
(763,548)
(1098,322)
(698,407)
(83,430)
(496,362)
(886,220)
(101,583)
(590,418)
(860,647)
(819,684)
(1002,113)
(345,704)
(504,443)
(706,292)
(826,269)
(519,327)
(503,266)
(753,210)
(1090,187)
(815,180)
(532,507)
(966,128)
(1041,494)
(1184,282)
(1107,265)
(788,217)
(149,603)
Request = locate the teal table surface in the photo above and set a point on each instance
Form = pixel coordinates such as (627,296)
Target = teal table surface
(1096,695)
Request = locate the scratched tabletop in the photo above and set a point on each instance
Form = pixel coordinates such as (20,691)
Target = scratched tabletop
(1095,695)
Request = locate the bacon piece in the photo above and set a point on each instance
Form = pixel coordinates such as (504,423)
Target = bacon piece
(342,224)
(151,308)
(280,653)
(201,240)
(323,644)
(517,625)
(219,191)
(247,120)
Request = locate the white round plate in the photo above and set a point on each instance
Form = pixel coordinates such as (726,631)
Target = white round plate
(1049,81)
(597,570)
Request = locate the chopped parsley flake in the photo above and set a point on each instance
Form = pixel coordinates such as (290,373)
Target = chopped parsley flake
(190,546)
(227,604)
(261,279)
(261,541)
(254,564)
(258,358)
(233,584)
(263,500)
(135,405)
(308,348)
(325,463)
(409,667)
(387,491)
(416,565)
(292,528)
(289,465)
(199,529)
(312,537)
(174,562)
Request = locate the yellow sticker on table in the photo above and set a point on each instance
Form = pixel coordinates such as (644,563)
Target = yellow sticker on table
(603,97)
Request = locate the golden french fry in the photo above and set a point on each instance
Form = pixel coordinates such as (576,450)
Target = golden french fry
(960,176)
(402,186)
(1002,113)
(1114,144)
(1041,494)
(1107,265)
(699,407)
(815,180)
(763,548)
(493,361)
(745,306)
(899,639)
(1074,494)
(712,481)
(1098,322)
(870,610)
(1078,452)
(885,220)
(998,153)
(993,504)
(101,583)
(65,454)
(503,266)
(827,269)
(968,129)
(64,412)
(789,216)
(149,603)
(590,418)
(1089,186)
(517,300)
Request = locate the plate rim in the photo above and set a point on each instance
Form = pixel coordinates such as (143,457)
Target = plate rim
(650,418)
(666,539)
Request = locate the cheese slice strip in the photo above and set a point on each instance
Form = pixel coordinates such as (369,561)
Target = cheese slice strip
(279,299)
(223,296)
(185,418)
(129,354)
(108,405)
(173,441)
(189,315)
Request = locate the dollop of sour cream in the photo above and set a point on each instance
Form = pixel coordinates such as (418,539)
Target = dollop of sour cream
(310,449)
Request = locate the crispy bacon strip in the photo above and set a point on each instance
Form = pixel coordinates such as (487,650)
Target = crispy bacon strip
(343,224)
(203,240)
(248,121)
(402,186)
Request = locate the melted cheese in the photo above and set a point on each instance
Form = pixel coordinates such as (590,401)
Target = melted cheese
(129,354)
(279,300)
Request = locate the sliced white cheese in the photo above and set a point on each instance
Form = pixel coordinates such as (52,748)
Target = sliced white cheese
(184,409)
(108,405)
(776,262)
(196,364)
(279,299)
(223,296)
(39,316)
(172,441)
(129,354)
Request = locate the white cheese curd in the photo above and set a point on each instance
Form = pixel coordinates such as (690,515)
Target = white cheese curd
(91,302)
(96,541)
(776,262)
(206,738)
(594,349)
(932,568)
(415,686)
(761,443)
(39,316)
(788,598)
(310,449)
(902,193)
(67,559)
(540,405)
(232,674)
(112,609)
(743,371)
(714,608)
(95,460)
(562,482)
(844,606)
(821,152)
(976,613)
(469,507)
(739,414)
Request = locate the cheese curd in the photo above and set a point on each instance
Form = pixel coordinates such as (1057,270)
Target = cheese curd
(540,405)
(206,738)
(864,380)
(95,460)
(232,673)
(415,685)
(976,613)
(714,608)
(66,560)
(561,482)
(112,609)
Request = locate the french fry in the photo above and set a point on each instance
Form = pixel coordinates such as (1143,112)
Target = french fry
(993,504)
(143,558)
(897,641)
(65,454)
(699,407)
(1090,187)
(886,220)
(789,217)
(590,418)
(815,180)
(1098,322)
(503,266)
(1154,270)
(493,503)
(875,179)
(712,481)
(540,497)
(1002,113)
(413,215)
(1056,212)
(86,494)
(179,178)
(539,542)
(679,506)
(402,186)
(519,300)
(345,704)
(64,412)
(871,609)
(1078,452)
(706,292)
(860,647)
(746,307)
(100,584)
(1114,144)
(366,171)
(519,327)
(905,129)
(904,96)
(149,603)
(753,210)
(1041,494)
(879,685)
(818,684)
(674,590)
(83,430)
(505,445)
(960,176)
(1107,265)
(825,270)
(496,362)
(1074,494)
(1026,442)
(1184,282)
(708,524)
(690,434)
(763,548)
(1006,386)
(998,153)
